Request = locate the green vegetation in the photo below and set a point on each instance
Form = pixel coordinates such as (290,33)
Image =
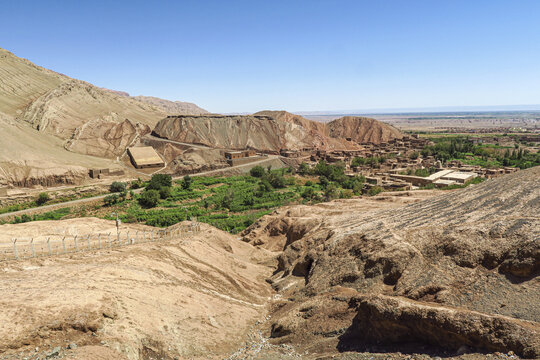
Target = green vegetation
(420,172)
(117,186)
(42,198)
(460,148)
(36,203)
(257,171)
(50,215)
(149,198)
(374,191)
(233,203)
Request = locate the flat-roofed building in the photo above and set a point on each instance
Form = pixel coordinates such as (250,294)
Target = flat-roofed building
(459,177)
(145,157)
(234,155)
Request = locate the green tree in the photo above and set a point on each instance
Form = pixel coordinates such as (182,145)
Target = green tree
(331,192)
(308,193)
(257,171)
(187,182)
(159,180)
(165,192)
(117,186)
(42,198)
(303,169)
(276,180)
(374,190)
(149,198)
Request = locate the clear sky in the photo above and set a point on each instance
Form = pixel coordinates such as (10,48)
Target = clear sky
(244,56)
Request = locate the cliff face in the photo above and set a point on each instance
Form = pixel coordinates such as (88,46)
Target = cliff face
(456,270)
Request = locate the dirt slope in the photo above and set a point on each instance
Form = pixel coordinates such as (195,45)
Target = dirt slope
(271,131)
(234,132)
(29,158)
(459,270)
(172,107)
(362,130)
(182,298)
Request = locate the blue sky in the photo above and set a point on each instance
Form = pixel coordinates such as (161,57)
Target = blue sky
(244,56)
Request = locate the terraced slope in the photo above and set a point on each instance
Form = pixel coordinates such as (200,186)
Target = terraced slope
(457,271)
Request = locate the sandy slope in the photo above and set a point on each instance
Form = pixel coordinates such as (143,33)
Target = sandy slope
(191,298)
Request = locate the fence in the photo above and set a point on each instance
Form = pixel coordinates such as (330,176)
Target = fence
(33,247)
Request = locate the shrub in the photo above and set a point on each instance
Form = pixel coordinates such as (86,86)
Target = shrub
(158,181)
(374,190)
(117,186)
(42,198)
(331,192)
(186,182)
(276,180)
(110,200)
(308,193)
(303,169)
(309,183)
(165,192)
(149,198)
(136,184)
(257,171)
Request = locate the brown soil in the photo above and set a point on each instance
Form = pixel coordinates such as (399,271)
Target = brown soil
(457,270)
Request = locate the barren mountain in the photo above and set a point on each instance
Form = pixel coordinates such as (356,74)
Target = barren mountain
(185,298)
(271,131)
(455,272)
(235,132)
(362,130)
(87,120)
(172,107)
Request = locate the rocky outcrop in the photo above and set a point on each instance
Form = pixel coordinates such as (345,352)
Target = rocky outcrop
(459,269)
(107,138)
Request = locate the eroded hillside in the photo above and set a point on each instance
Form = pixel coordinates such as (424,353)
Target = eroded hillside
(46,113)
(455,272)
(271,131)
(191,297)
